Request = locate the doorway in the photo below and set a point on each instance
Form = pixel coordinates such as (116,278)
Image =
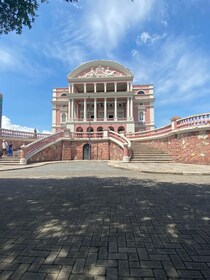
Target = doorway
(87,151)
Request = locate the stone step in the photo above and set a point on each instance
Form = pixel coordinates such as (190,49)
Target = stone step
(151,160)
(145,153)
(9,160)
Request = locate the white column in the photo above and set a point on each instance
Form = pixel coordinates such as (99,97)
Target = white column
(115,87)
(85,87)
(131,108)
(69,87)
(72,109)
(72,88)
(95,109)
(85,109)
(105,86)
(128,114)
(115,108)
(105,109)
(94,87)
(69,108)
(128,87)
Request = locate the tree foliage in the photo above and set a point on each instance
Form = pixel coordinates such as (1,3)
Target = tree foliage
(14,14)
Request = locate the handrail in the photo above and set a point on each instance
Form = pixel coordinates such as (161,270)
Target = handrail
(152,132)
(38,145)
(21,134)
(191,121)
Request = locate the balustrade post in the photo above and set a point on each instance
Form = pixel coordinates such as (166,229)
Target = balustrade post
(174,122)
(67,133)
(23,155)
(126,157)
(105,133)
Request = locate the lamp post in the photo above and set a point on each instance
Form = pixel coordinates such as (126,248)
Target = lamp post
(89,129)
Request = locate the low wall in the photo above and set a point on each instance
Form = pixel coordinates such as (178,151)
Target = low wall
(73,150)
(16,143)
(191,145)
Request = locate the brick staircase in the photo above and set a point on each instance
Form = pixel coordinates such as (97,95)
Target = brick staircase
(14,160)
(144,153)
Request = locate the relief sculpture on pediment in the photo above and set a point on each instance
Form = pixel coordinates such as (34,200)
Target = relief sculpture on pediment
(100,72)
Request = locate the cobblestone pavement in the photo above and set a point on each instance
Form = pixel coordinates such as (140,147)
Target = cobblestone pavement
(90,221)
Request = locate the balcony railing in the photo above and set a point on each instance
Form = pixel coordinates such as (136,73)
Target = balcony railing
(98,120)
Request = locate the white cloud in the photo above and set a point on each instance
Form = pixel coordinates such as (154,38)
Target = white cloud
(108,21)
(179,70)
(146,38)
(7,124)
(7,58)
(95,29)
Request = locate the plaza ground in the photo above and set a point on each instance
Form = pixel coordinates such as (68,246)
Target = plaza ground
(88,220)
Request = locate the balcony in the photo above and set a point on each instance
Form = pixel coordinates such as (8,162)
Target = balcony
(98,120)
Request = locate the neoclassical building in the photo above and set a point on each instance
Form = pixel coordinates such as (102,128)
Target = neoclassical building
(101,95)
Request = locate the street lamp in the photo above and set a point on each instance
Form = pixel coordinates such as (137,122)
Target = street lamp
(89,129)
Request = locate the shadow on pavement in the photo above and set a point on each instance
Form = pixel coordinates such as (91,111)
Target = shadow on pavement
(103,228)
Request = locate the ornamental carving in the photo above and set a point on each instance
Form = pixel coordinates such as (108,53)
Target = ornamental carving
(101,72)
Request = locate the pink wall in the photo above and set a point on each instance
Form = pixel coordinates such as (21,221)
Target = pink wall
(187,147)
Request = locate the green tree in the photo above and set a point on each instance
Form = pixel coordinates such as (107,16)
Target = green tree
(14,14)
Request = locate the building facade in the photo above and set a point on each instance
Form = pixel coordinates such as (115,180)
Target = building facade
(101,95)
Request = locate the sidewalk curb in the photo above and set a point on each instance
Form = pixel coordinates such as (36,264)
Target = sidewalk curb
(184,173)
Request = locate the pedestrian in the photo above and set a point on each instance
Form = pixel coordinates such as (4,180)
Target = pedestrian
(10,151)
(4,148)
(35,133)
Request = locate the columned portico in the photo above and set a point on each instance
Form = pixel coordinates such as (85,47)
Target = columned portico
(101,94)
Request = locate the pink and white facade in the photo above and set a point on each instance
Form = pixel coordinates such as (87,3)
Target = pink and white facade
(101,95)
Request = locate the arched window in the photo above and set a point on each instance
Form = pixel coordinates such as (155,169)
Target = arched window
(141,92)
(111,128)
(141,116)
(89,129)
(100,128)
(63,118)
(79,129)
(141,104)
(64,94)
(121,129)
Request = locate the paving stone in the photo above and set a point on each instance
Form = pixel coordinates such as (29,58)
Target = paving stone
(123,268)
(111,273)
(160,274)
(5,275)
(141,272)
(64,273)
(33,276)
(19,272)
(79,266)
(118,225)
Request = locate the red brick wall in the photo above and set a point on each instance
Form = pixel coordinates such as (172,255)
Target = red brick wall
(73,150)
(186,147)
(52,153)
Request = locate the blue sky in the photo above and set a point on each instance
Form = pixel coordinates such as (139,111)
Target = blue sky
(163,42)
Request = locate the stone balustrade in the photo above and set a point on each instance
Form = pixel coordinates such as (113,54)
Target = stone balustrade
(8,133)
(34,147)
(195,120)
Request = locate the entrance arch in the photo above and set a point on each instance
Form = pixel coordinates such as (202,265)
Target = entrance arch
(87,151)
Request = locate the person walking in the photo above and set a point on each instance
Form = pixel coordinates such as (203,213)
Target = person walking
(10,151)
(4,148)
